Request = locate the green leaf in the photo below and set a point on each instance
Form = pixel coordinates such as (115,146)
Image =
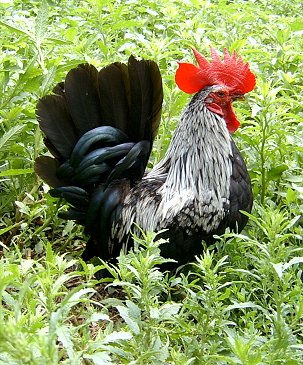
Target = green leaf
(7,229)
(16,172)
(279,269)
(64,336)
(23,208)
(15,29)
(297,25)
(41,22)
(99,358)
(131,322)
(169,310)
(8,137)
(276,172)
(291,196)
(293,261)
(116,336)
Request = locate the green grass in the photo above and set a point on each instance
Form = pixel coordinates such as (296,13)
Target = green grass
(242,301)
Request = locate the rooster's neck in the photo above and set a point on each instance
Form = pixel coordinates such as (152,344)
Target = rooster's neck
(196,170)
(200,129)
(198,158)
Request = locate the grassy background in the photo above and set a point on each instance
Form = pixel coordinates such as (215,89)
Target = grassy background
(242,301)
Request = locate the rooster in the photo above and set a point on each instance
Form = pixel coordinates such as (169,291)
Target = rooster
(100,128)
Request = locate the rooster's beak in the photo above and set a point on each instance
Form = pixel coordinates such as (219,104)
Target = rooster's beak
(236,97)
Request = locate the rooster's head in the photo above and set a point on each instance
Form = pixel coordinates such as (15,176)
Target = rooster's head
(225,80)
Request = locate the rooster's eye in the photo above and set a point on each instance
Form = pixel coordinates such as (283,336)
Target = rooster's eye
(221,94)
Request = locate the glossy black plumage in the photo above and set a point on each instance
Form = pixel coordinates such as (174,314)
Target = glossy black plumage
(127,97)
(240,196)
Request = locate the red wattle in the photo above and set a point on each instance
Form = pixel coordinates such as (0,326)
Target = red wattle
(227,112)
(231,119)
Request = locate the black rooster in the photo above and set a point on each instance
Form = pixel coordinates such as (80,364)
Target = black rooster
(100,127)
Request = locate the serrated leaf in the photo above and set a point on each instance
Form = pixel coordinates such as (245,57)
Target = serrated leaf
(74,298)
(8,299)
(115,336)
(291,196)
(48,80)
(276,172)
(95,317)
(168,310)
(99,358)
(15,29)
(64,336)
(279,268)
(292,222)
(297,25)
(255,110)
(14,113)
(244,306)
(6,229)
(124,313)
(22,208)
(8,137)
(63,278)
(58,40)
(71,300)
(154,313)
(41,22)
(133,309)
(293,261)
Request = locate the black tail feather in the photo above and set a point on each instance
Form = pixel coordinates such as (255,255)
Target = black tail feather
(127,97)
(157,97)
(99,126)
(143,82)
(114,90)
(46,167)
(137,157)
(82,98)
(57,124)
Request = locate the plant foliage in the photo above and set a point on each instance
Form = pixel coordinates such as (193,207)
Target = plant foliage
(241,302)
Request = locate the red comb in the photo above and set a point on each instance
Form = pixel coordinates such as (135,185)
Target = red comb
(231,71)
